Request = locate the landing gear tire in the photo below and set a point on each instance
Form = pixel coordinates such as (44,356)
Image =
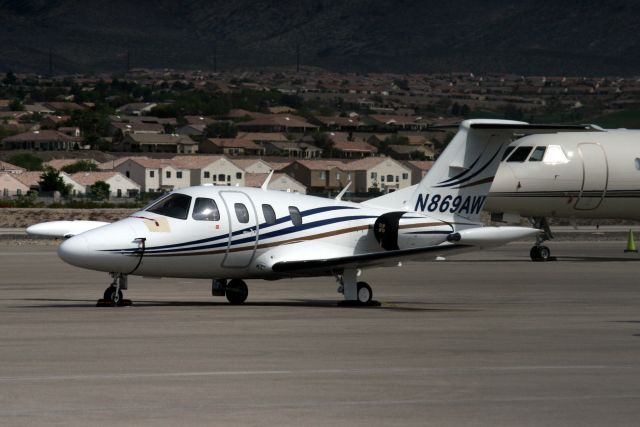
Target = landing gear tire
(365,294)
(113,296)
(540,253)
(236,291)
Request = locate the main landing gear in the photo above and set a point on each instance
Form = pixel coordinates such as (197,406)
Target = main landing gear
(113,296)
(356,294)
(539,252)
(235,290)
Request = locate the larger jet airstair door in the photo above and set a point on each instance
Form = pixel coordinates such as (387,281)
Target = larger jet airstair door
(595,174)
(243,229)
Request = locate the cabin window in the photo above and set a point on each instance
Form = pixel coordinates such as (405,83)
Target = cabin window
(555,155)
(296,218)
(269,214)
(175,205)
(520,154)
(242,213)
(537,154)
(205,210)
(507,152)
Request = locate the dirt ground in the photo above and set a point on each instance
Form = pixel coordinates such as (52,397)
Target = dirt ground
(24,217)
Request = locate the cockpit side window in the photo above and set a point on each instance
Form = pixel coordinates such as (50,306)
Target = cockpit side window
(242,213)
(205,210)
(537,154)
(520,154)
(269,214)
(507,152)
(296,218)
(175,205)
(555,155)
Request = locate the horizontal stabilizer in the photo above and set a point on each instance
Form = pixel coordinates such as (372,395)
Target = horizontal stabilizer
(526,128)
(63,228)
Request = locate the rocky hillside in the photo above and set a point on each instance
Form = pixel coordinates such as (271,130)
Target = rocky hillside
(529,36)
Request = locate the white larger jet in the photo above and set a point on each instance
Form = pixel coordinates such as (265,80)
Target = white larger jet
(594,174)
(229,234)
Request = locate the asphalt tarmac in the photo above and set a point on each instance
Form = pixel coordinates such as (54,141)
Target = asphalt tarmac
(483,339)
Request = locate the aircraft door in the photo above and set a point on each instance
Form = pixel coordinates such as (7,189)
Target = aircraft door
(595,174)
(243,229)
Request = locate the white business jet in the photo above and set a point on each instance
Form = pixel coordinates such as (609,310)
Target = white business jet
(593,174)
(229,234)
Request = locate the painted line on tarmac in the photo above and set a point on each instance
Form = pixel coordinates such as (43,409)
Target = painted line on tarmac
(392,371)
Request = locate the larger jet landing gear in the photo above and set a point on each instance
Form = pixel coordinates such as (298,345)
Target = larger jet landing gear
(539,252)
(113,296)
(356,294)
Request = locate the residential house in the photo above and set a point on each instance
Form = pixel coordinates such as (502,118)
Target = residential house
(379,173)
(231,147)
(143,171)
(408,152)
(419,169)
(32,181)
(137,108)
(299,150)
(254,166)
(211,170)
(11,186)
(277,123)
(41,140)
(191,130)
(160,143)
(262,137)
(9,168)
(119,185)
(124,128)
(319,175)
(58,164)
(279,181)
(70,130)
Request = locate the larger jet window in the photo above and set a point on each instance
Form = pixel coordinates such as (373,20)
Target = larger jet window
(537,154)
(520,154)
(175,206)
(296,218)
(205,210)
(242,213)
(269,214)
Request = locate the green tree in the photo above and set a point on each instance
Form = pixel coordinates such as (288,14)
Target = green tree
(80,166)
(322,140)
(51,181)
(27,160)
(100,190)
(221,130)
(10,79)
(16,105)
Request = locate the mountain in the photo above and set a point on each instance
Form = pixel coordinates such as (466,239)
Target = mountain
(574,37)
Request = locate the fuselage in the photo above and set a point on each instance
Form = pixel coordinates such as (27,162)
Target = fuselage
(237,232)
(571,175)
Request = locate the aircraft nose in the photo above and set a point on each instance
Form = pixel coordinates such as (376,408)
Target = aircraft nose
(74,250)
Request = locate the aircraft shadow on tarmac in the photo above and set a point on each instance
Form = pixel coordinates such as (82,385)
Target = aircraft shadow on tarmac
(385,305)
(559,259)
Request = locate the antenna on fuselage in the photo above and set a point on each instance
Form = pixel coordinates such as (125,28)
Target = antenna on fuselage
(266,181)
(344,190)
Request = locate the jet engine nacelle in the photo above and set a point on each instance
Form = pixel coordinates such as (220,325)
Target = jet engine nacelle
(406,230)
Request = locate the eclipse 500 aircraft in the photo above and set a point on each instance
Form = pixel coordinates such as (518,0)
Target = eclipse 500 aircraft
(229,234)
(591,174)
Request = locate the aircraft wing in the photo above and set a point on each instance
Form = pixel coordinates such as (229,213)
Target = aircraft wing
(329,266)
(527,128)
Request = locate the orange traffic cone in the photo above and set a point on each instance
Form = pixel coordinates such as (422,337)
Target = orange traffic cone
(631,243)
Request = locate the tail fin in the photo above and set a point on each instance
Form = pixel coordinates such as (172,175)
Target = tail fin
(459,181)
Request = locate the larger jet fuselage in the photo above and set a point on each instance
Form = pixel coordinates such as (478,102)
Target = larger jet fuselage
(571,175)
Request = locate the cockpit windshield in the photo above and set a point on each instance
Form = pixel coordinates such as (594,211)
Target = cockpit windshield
(175,205)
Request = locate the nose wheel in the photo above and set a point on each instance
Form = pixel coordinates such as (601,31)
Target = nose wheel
(113,296)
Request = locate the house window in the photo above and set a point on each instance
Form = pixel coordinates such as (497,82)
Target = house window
(221,177)
(228,177)
(269,214)
(242,213)
(168,174)
(323,175)
(152,174)
(207,174)
(296,218)
(205,210)
(119,193)
(338,176)
(405,176)
(382,178)
(389,178)
(348,177)
(374,175)
(127,174)
(238,175)
(19,192)
(179,175)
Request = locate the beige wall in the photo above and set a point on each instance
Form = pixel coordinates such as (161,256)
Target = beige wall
(364,180)
(9,185)
(286,183)
(122,183)
(173,181)
(221,167)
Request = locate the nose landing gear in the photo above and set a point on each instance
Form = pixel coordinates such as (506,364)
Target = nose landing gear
(113,296)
